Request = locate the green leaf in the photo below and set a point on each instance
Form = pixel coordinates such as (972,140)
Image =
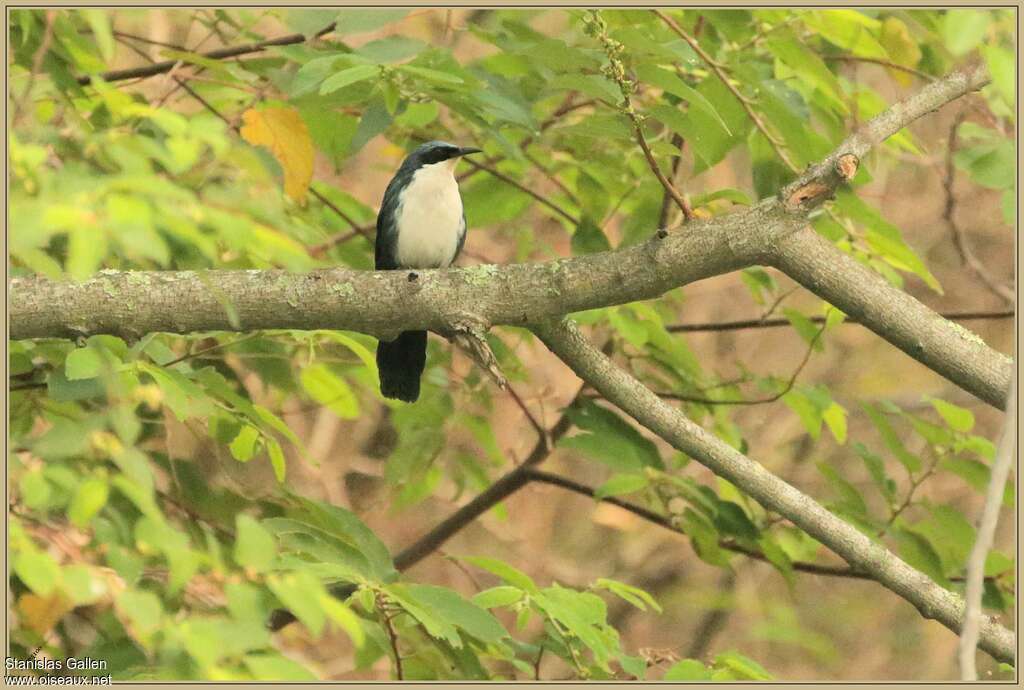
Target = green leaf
(976,475)
(143,610)
(344,618)
(588,238)
(963,30)
(254,546)
(892,441)
(918,552)
(431,74)
(243,448)
(344,525)
(744,667)
(276,458)
(584,616)
(620,484)
(639,598)
(807,329)
(610,439)
(37,570)
(1001,65)
(687,669)
(849,29)
(850,500)
(671,83)
(502,595)
(302,594)
(364,20)
(330,390)
(951,535)
(274,667)
(452,608)
(506,572)
(391,49)
(346,77)
(309,22)
(89,499)
(956,417)
(876,468)
(83,363)
(99,22)
(835,418)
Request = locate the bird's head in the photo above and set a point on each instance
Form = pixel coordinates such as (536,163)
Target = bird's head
(434,152)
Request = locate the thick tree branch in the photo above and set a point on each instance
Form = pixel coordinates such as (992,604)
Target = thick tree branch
(946,348)
(772,232)
(863,554)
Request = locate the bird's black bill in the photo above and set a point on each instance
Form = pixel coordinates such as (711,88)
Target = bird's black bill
(466,150)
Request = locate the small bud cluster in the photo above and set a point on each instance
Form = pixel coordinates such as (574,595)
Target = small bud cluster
(595,26)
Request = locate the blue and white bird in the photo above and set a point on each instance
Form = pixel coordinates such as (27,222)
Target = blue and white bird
(421,224)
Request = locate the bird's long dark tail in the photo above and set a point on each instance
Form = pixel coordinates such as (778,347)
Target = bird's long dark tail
(401,363)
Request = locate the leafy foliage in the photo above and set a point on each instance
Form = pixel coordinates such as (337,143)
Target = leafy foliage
(176,574)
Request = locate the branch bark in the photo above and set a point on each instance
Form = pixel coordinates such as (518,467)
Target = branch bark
(384,303)
(863,554)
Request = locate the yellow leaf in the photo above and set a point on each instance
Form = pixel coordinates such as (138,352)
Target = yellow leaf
(901,46)
(42,613)
(283,132)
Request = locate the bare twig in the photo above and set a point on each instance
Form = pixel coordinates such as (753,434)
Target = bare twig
(219,54)
(524,189)
(37,64)
(878,61)
(963,247)
(617,72)
(754,324)
(392,636)
(1001,466)
(759,401)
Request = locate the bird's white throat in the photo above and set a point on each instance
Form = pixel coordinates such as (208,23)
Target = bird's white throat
(429,217)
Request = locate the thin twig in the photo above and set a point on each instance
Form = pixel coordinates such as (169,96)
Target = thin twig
(37,64)
(536,663)
(535,475)
(526,190)
(963,247)
(626,86)
(878,61)
(745,102)
(392,637)
(219,54)
(759,401)
(753,324)
(143,39)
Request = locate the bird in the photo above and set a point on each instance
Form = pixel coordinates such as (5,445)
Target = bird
(421,224)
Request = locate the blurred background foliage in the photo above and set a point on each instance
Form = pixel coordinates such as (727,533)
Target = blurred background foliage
(168,494)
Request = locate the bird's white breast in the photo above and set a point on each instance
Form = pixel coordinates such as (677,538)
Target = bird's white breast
(430,218)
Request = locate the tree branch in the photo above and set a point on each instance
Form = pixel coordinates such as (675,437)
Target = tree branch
(1001,466)
(755,324)
(564,340)
(218,54)
(772,232)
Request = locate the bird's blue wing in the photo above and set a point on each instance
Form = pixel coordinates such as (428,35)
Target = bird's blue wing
(385,248)
(462,236)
